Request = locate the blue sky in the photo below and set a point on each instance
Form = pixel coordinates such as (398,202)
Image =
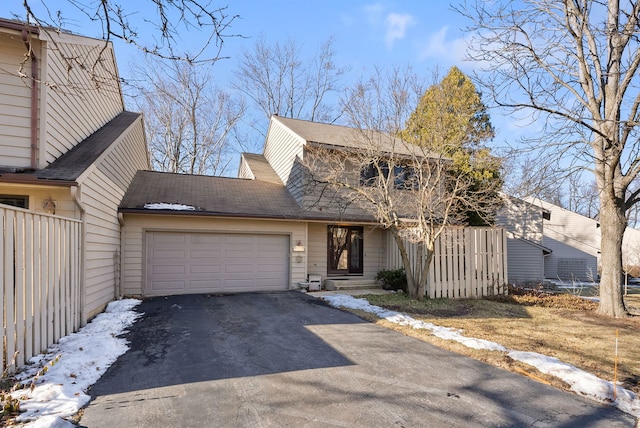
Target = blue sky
(424,34)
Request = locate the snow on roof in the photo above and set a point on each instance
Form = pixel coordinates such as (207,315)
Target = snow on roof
(166,206)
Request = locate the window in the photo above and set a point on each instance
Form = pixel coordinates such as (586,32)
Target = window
(345,250)
(404,177)
(15,201)
(369,173)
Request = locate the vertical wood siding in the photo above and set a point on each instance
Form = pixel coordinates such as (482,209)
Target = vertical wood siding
(467,262)
(40,269)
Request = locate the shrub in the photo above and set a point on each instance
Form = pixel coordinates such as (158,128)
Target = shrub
(393,279)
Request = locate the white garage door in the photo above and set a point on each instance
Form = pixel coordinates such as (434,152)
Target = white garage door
(189,263)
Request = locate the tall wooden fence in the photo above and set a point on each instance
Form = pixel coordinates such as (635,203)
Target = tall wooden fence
(40,273)
(467,262)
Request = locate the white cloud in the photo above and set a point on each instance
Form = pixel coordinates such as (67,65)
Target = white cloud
(396,25)
(437,46)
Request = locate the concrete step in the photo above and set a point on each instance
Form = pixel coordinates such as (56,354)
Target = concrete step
(351,284)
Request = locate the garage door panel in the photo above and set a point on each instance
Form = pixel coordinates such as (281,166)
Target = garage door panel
(179,263)
(166,269)
(170,238)
(212,254)
(205,239)
(170,285)
(209,285)
(168,253)
(204,269)
(238,254)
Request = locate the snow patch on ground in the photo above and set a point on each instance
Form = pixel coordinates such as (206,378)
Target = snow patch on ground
(583,383)
(82,358)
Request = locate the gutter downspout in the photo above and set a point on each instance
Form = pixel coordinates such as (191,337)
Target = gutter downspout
(75,195)
(34,99)
(119,257)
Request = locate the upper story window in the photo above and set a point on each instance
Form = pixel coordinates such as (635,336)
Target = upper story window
(15,200)
(369,173)
(404,176)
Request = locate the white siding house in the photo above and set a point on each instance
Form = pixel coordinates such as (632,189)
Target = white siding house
(575,243)
(526,252)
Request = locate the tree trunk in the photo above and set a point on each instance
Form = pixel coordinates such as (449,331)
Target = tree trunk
(612,224)
(416,275)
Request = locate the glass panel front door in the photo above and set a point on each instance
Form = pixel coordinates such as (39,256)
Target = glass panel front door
(345,250)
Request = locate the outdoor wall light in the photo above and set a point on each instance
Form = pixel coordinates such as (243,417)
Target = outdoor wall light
(298,247)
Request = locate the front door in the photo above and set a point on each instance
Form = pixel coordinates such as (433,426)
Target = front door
(345,250)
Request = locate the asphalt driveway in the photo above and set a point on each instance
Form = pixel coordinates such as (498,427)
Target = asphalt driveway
(287,359)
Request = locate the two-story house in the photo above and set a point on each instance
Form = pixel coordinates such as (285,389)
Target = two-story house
(268,229)
(260,231)
(68,149)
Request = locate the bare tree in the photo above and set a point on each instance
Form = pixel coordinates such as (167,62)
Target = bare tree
(188,122)
(279,79)
(574,65)
(152,26)
(411,190)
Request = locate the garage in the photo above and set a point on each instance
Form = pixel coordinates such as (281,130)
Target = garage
(197,262)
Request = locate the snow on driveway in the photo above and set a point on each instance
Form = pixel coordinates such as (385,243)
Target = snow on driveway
(581,382)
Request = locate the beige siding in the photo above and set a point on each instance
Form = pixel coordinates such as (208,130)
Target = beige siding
(281,149)
(81,98)
(127,157)
(374,250)
(15,104)
(317,263)
(102,190)
(100,198)
(136,225)
(65,206)
(244,171)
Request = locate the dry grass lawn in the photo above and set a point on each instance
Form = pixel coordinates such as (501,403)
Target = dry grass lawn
(562,326)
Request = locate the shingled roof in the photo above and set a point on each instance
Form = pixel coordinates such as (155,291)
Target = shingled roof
(68,167)
(72,164)
(327,135)
(161,192)
(261,168)
(153,192)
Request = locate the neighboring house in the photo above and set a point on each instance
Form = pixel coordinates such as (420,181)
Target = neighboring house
(67,147)
(526,252)
(268,229)
(575,242)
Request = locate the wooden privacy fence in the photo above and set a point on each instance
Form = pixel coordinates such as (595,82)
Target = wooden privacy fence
(40,272)
(467,262)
